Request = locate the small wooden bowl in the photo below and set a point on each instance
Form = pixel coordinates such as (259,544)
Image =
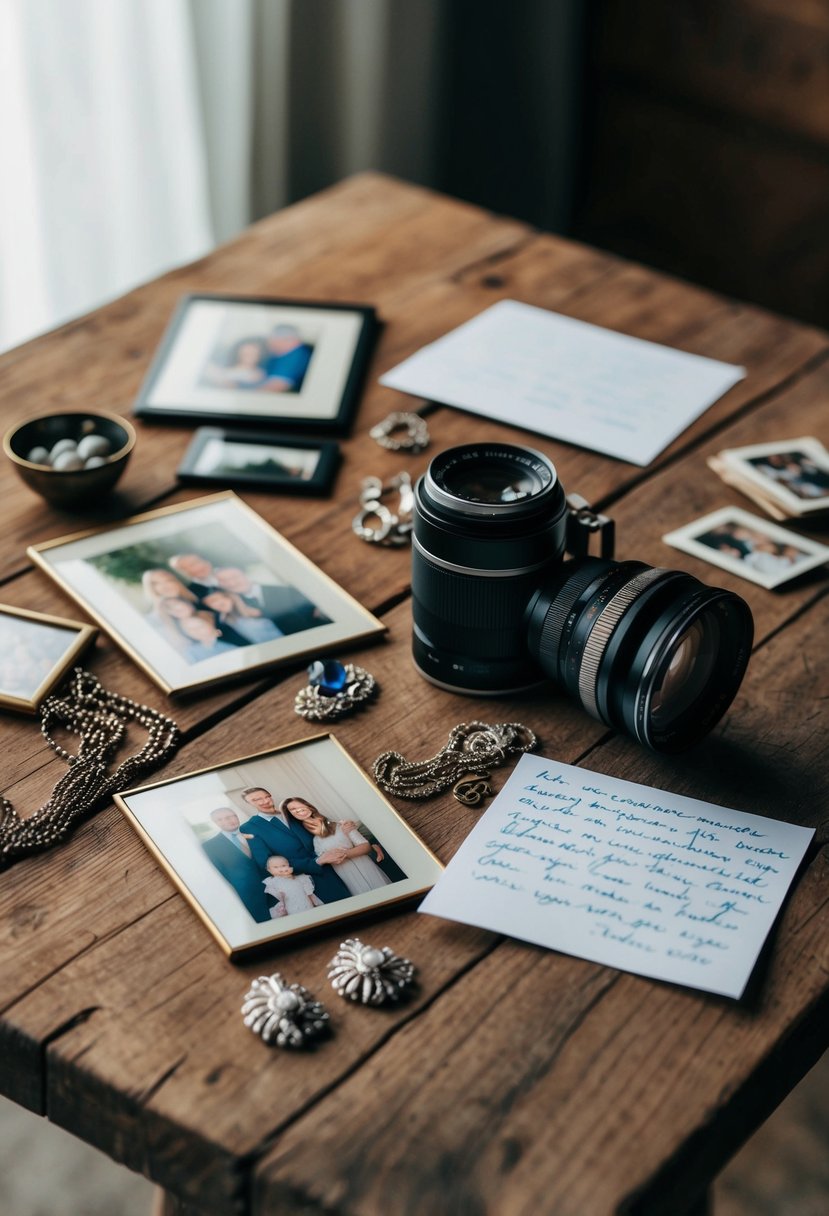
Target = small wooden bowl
(69,488)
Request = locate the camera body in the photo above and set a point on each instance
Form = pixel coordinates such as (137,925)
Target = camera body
(497,608)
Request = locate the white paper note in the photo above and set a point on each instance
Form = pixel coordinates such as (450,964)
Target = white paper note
(622,874)
(590,386)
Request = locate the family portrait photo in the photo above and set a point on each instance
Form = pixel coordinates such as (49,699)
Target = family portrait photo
(221,457)
(36,652)
(237,359)
(281,841)
(203,591)
(749,546)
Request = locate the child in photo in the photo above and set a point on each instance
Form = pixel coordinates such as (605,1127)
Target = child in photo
(293,892)
(205,639)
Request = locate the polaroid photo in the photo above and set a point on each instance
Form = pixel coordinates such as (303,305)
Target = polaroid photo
(280,842)
(748,546)
(793,472)
(229,359)
(204,592)
(267,461)
(37,652)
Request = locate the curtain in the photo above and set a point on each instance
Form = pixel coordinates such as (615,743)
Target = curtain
(136,134)
(104,179)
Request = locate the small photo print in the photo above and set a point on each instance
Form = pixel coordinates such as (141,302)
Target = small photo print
(794,471)
(36,651)
(270,462)
(204,591)
(749,546)
(280,842)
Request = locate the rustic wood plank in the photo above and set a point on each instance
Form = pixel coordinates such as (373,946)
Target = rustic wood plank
(539,1082)
(365,240)
(120,1014)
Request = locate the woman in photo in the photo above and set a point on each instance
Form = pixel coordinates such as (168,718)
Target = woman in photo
(170,601)
(245,367)
(358,870)
(232,613)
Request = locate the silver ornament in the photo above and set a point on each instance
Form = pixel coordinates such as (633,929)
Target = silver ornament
(285,1014)
(360,687)
(374,977)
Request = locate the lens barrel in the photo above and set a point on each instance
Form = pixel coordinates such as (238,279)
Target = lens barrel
(495,607)
(490,524)
(651,652)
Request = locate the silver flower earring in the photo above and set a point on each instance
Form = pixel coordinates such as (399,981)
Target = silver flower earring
(285,1014)
(374,977)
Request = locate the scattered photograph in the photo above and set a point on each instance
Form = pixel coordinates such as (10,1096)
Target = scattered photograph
(203,592)
(280,842)
(36,652)
(236,359)
(270,462)
(794,472)
(749,546)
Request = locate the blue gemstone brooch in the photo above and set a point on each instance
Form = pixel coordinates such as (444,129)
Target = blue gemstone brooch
(334,689)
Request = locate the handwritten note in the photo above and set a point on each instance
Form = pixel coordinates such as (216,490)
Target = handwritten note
(564,378)
(622,874)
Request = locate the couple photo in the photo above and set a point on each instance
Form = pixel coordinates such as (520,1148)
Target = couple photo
(271,362)
(289,856)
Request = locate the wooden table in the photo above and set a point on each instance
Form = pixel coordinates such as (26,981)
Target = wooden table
(519,1081)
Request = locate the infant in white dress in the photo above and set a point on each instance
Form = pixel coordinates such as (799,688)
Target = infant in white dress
(293,892)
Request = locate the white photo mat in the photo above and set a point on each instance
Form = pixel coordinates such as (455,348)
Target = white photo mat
(68,562)
(810,554)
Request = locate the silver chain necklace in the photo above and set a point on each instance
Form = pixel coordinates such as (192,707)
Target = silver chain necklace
(100,719)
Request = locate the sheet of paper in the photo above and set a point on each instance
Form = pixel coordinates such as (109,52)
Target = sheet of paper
(622,874)
(566,379)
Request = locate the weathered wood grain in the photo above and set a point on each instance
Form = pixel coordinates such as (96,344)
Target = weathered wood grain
(542,1083)
(120,1014)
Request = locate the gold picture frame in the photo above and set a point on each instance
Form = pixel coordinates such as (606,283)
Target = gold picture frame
(124,576)
(220,883)
(49,664)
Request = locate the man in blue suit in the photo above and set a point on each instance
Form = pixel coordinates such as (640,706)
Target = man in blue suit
(271,832)
(231,854)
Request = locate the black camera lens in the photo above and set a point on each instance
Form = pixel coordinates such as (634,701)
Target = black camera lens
(490,522)
(495,607)
(652,652)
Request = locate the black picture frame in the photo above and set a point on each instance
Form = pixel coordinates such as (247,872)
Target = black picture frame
(313,479)
(192,377)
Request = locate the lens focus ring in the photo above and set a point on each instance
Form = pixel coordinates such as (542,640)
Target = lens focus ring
(602,631)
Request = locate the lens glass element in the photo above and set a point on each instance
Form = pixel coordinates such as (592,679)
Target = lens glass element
(687,671)
(493,483)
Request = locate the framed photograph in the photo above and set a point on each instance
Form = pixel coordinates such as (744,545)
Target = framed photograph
(749,546)
(237,359)
(36,652)
(267,461)
(794,472)
(280,842)
(204,592)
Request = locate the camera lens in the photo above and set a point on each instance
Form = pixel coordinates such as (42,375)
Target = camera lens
(652,652)
(490,523)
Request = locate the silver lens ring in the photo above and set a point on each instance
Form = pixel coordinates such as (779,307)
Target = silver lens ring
(602,631)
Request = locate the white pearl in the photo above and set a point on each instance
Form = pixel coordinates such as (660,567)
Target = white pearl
(94,445)
(66,461)
(94,462)
(63,445)
(287,1001)
(38,456)
(371,957)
